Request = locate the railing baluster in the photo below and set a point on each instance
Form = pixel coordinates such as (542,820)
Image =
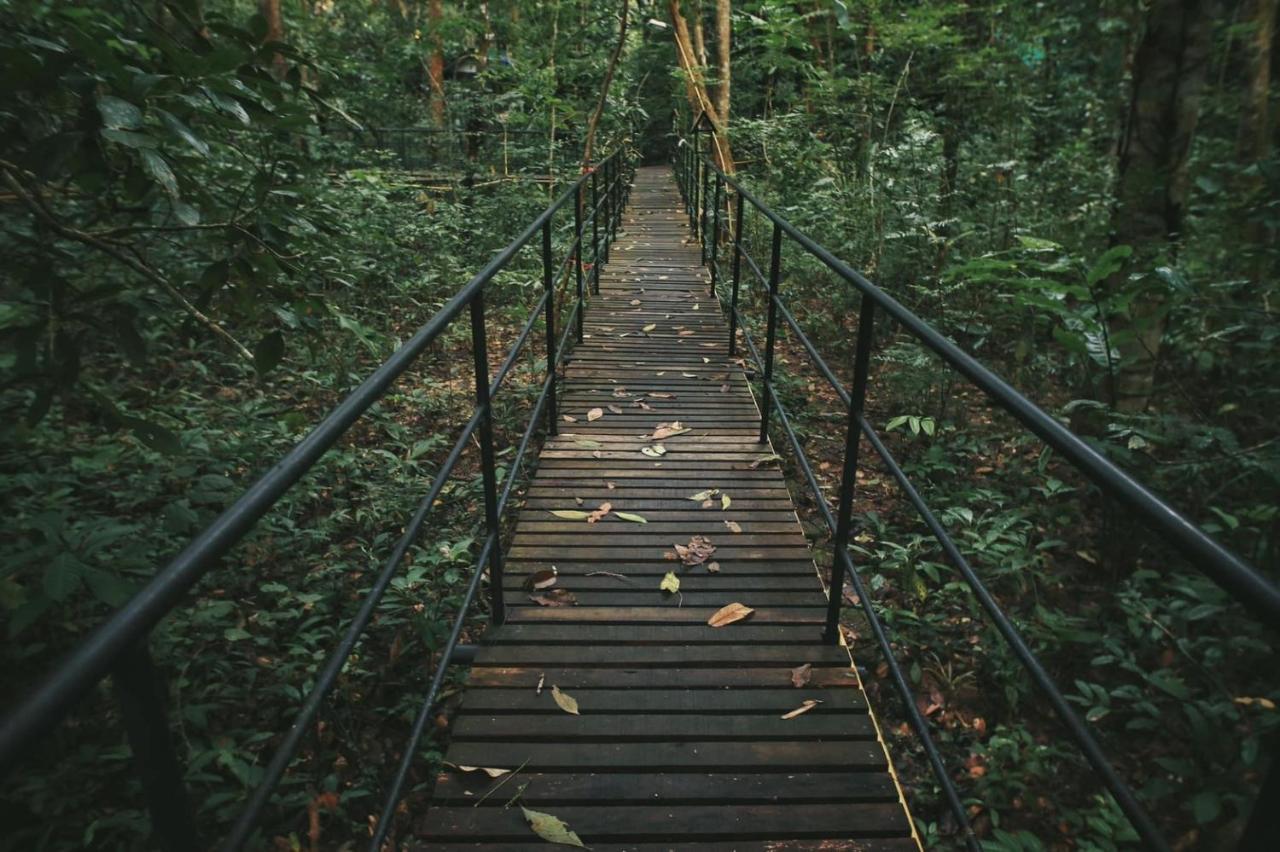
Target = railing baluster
(577,254)
(595,235)
(705,213)
(715,235)
(608,208)
(480,353)
(737,270)
(848,479)
(142,706)
(766,389)
(548,285)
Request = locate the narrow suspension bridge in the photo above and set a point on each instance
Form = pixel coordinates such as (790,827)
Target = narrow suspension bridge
(722,712)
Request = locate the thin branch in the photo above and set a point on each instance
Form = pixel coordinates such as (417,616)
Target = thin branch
(34,203)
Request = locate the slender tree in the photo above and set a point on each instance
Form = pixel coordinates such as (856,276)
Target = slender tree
(594,122)
(1168,76)
(696,86)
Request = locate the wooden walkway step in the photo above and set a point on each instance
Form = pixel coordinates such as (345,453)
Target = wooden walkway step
(680,740)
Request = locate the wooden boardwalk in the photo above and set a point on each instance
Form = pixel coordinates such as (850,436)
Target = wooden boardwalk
(680,741)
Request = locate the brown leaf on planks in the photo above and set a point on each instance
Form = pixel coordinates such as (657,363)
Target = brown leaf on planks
(733,526)
(616,409)
(569,418)
(565,701)
(728,614)
(800,675)
(697,551)
(805,706)
(667,430)
(492,772)
(595,414)
(599,514)
(660,395)
(554,597)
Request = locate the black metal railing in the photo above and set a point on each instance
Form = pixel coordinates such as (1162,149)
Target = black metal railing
(706,191)
(119,646)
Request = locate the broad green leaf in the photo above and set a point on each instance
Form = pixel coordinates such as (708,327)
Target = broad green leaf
(159,170)
(628,516)
(571,514)
(128,138)
(62,577)
(118,113)
(177,128)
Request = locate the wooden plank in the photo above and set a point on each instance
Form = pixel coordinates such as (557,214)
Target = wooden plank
(667,702)
(687,823)
(718,679)
(666,656)
(684,788)
(565,728)
(719,756)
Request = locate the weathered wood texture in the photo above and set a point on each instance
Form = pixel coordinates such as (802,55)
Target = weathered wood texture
(680,741)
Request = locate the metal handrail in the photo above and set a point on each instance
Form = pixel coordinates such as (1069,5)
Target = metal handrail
(1241,580)
(119,645)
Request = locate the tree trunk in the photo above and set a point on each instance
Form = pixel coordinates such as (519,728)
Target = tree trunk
(604,87)
(1254,141)
(724,39)
(1168,76)
(435,64)
(696,87)
(270,10)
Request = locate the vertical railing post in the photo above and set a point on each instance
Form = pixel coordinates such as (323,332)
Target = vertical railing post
(766,390)
(707,169)
(737,270)
(608,207)
(849,477)
(577,253)
(548,285)
(595,235)
(715,234)
(142,706)
(488,474)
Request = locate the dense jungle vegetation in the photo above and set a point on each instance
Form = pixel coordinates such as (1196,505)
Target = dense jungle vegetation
(210,234)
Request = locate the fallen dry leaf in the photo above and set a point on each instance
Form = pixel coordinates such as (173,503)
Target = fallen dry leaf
(756,464)
(551,828)
(487,770)
(805,706)
(630,516)
(595,414)
(725,502)
(542,678)
(703,496)
(599,514)
(670,583)
(697,551)
(728,614)
(569,418)
(565,701)
(571,514)
(733,526)
(554,597)
(616,409)
(713,567)
(656,451)
(666,430)
(800,675)
(650,327)
(660,395)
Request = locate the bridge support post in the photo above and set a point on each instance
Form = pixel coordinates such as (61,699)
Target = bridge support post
(480,353)
(849,476)
(607,165)
(715,235)
(548,284)
(737,270)
(577,255)
(146,723)
(766,385)
(595,235)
